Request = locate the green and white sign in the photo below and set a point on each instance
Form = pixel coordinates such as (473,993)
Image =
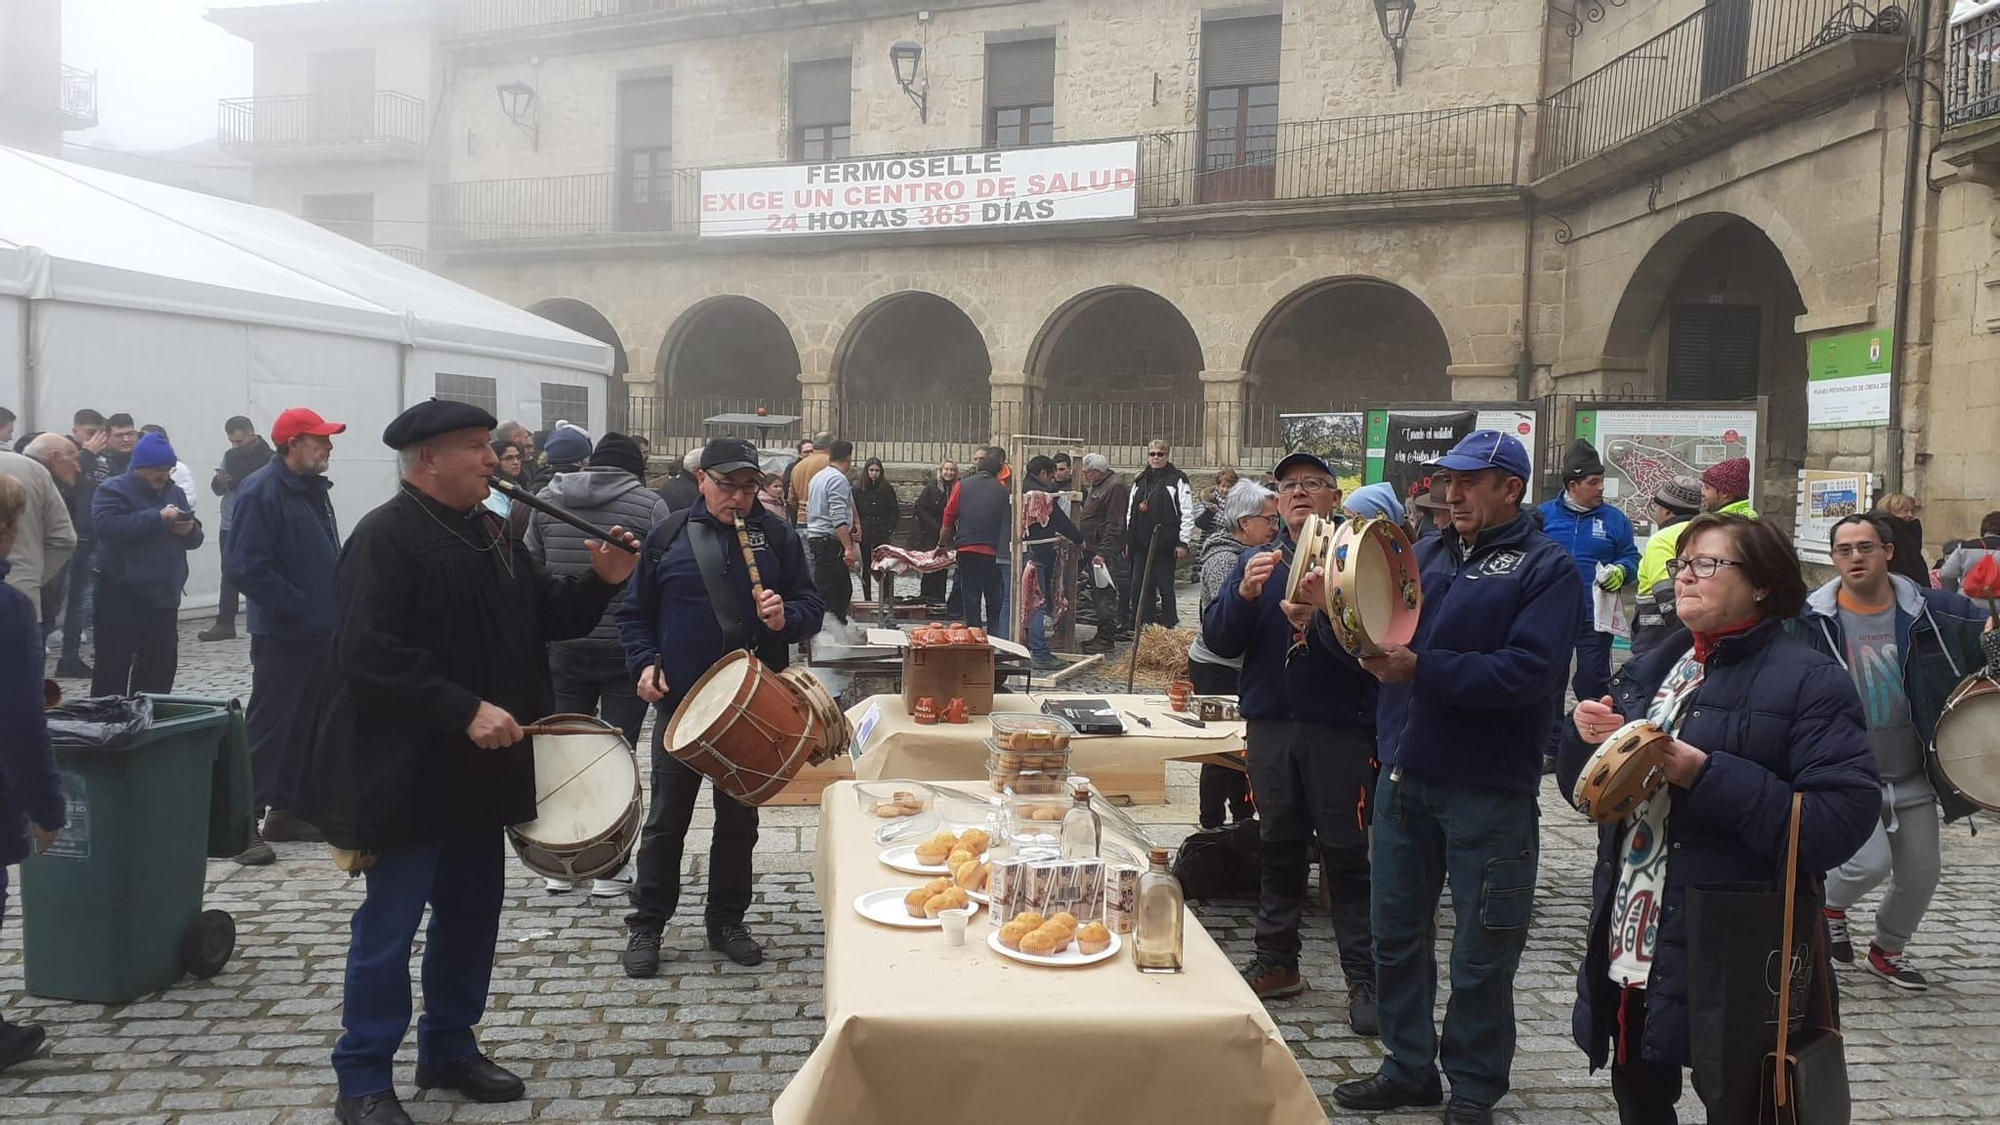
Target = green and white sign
(1847,380)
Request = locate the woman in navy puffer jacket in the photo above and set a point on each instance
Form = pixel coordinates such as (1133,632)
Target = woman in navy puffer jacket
(1756,715)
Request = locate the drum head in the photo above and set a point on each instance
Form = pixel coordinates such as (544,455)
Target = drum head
(719,689)
(1311,550)
(1624,770)
(582,784)
(1968,742)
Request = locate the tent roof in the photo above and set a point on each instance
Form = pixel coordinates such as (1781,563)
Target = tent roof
(74,233)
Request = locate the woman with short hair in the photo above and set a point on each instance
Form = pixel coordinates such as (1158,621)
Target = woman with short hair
(1246,518)
(1908,535)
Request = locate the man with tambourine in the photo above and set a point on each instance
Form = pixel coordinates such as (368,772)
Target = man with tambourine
(693,601)
(417,757)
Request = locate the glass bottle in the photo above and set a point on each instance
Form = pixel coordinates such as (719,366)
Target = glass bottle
(1156,942)
(1082,830)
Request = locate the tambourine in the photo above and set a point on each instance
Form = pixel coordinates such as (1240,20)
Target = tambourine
(1315,536)
(1374,594)
(1627,768)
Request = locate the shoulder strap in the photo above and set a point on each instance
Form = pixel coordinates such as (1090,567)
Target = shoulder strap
(709,557)
(1785,950)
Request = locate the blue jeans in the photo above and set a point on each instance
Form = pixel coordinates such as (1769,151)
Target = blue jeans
(984,585)
(1591,680)
(461,877)
(1038,622)
(79,599)
(1485,841)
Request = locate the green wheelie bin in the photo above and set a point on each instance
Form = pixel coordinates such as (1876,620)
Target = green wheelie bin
(112,911)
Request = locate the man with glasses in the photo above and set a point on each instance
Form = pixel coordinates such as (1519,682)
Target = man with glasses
(1160,516)
(1907,647)
(1311,729)
(673,632)
(1465,713)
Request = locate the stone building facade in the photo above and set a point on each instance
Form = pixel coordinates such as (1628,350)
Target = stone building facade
(1655,199)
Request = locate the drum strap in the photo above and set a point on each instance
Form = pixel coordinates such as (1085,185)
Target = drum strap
(709,558)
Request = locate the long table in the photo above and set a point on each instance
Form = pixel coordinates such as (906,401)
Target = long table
(918,1031)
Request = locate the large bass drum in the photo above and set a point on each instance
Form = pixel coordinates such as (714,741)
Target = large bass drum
(750,730)
(1968,740)
(588,802)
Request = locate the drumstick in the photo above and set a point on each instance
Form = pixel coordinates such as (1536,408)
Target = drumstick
(750,560)
(558,728)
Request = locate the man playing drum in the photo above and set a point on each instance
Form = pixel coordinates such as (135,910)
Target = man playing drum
(417,758)
(1465,713)
(1311,729)
(673,631)
(1907,647)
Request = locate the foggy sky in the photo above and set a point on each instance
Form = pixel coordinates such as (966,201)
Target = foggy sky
(160,69)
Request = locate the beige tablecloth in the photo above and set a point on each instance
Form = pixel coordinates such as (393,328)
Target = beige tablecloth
(921,1032)
(898,747)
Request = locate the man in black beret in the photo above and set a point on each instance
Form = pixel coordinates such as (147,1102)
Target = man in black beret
(416,756)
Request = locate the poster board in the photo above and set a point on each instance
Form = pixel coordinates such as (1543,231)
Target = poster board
(1381,455)
(1825,498)
(1643,447)
(1847,380)
(1334,436)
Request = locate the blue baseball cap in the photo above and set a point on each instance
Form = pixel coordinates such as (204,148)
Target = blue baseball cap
(1302,457)
(1487,449)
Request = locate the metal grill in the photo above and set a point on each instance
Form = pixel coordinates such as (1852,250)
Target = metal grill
(1972,69)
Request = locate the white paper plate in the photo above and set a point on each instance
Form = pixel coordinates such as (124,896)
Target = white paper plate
(903,857)
(886,906)
(1068,959)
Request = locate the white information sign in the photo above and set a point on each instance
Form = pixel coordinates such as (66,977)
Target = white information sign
(1005,187)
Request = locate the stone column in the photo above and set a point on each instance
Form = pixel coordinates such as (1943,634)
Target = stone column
(1225,397)
(1012,400)
(819,396)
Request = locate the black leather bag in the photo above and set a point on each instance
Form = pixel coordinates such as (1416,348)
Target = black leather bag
(1221,863)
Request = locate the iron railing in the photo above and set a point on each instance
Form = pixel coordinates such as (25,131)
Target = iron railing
(578,205)
(472,17)
(1380,154)
(1719,46)
(313,120)
(78,97)
(1972,69)
(409,255)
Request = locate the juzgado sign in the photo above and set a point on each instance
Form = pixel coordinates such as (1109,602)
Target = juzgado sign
(1009,187)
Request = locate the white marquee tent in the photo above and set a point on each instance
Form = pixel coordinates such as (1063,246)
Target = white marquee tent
(183,309)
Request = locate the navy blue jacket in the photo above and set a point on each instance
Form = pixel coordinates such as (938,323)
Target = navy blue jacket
(1773,716)
(666,611)
(1321,684)
(1601,535)
(281,548)
(1493,647)
(136,549)
(28,785)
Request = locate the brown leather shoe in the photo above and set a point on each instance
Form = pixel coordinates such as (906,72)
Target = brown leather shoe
(1273,982)
(280,826)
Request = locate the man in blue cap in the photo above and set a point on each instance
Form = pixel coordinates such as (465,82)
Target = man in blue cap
(1311,729)
(1465,712)
(145,528)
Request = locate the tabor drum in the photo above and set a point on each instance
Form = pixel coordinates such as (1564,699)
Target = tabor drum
(1373,591)
(749,729)
(1968,740)
(588,803)
(1627,768)
(838,732)
(1315,535)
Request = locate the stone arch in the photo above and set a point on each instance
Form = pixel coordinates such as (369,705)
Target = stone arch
(913,363)
(726,353)
(1645,291)
(1340,342)
(1117,366)
(581,316)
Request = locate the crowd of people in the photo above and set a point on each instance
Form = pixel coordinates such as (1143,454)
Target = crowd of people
(393,669)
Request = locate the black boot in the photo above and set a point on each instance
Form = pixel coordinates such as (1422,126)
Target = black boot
(475,1076)
(732,940)
(375,1109)
(19,1042)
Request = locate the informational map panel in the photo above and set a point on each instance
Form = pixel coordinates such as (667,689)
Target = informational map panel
(1644,448)
(1335,437)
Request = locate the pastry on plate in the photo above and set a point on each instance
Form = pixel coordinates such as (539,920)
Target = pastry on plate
(1033,919)
(1064,919)
(1012,933)
(951,898)
(1093,938)
(937,849)
(1044,942)
(971,874)
(975,840)
(957,856)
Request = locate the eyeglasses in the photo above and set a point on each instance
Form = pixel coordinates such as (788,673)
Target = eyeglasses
(1305,484)
(1272,520)
(1703,566)
(1849,550)
(738,486)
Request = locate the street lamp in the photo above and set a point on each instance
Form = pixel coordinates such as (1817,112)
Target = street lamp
(907,57)
(1394,16)
(517,101)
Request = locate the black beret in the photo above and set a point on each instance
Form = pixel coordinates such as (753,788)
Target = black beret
(426,420)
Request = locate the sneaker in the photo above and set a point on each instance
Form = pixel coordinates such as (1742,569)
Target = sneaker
(19,1042)
(1838,945)
(1273,982)
(558,886)
(642,953)
(1363,1018)
(217,633)
(1895,968)
(619,883)
(73,668)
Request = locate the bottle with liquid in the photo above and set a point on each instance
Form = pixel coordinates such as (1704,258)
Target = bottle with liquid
(1156,941)
(1082,829)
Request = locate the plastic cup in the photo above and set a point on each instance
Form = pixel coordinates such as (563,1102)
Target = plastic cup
(954,925)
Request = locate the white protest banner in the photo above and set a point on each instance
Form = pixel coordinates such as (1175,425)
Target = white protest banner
(1006,187)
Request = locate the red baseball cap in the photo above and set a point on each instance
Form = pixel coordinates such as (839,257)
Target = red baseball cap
(298,420)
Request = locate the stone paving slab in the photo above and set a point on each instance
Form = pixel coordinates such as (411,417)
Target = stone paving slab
(709,1041)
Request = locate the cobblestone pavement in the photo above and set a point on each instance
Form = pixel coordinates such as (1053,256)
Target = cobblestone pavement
(709,1041)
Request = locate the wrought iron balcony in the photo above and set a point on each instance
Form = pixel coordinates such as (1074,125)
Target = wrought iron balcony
(1972,70)
(1716,50)
(475,17)
(78,98)
(409,255)
(380,122)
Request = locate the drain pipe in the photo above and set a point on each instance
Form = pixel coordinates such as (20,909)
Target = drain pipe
(1892,475)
